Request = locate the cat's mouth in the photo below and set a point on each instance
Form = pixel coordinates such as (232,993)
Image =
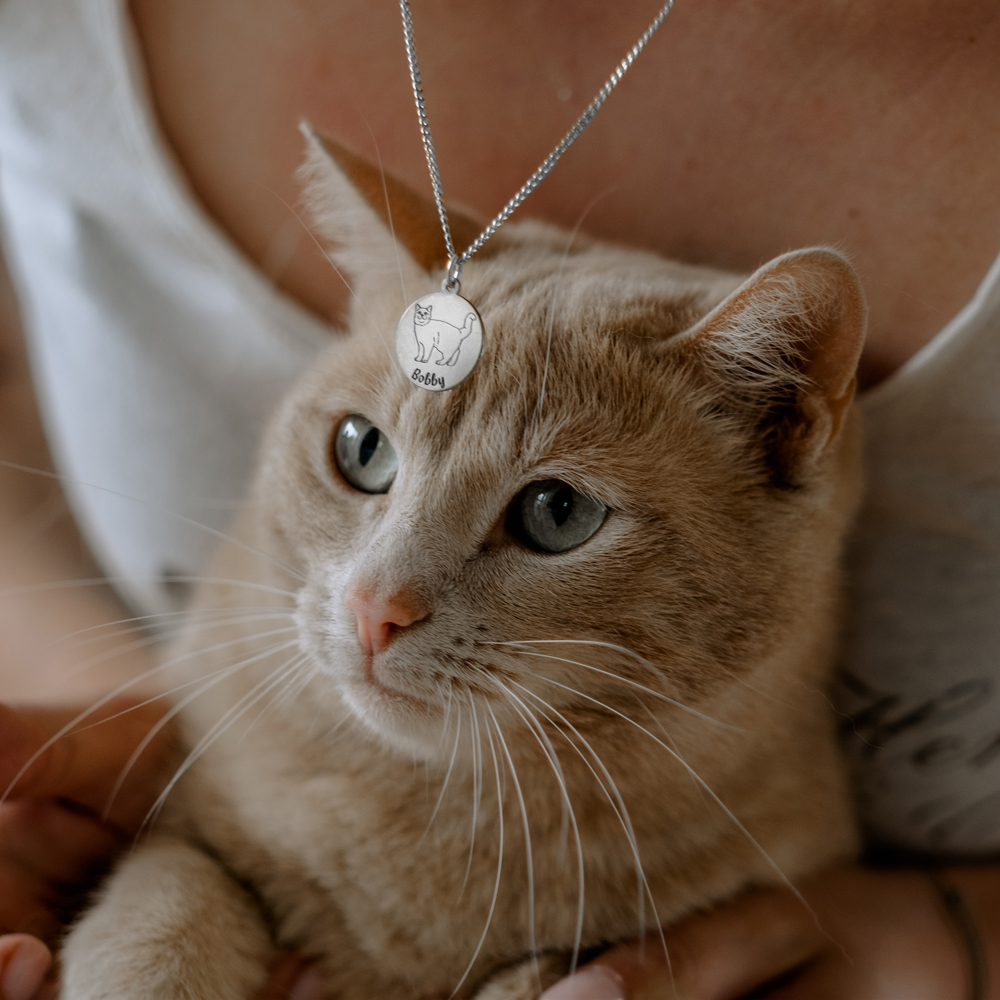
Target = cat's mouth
(373,682)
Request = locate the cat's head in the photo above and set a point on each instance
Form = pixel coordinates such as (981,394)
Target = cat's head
(641,487)
(422,314)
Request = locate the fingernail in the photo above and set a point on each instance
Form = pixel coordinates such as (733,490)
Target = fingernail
(309,986)
(597,982)
(23,974)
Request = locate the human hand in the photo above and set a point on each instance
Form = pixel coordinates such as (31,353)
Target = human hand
(876,934)
(56,841)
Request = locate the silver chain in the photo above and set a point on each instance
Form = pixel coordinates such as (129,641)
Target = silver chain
(456,261)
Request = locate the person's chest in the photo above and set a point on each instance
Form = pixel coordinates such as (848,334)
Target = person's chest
(740,133)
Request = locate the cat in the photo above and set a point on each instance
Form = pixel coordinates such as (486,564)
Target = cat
(505,674)
(437,335)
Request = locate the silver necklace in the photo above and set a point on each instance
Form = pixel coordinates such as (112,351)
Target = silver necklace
(440,336)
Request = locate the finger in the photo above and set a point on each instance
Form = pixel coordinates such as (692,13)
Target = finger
(294,978)
(27,906)
(49,841)
(85,763)
(24,963)
(714,956)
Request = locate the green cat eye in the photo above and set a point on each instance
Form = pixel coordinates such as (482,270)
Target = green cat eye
(364,456)
(551,516)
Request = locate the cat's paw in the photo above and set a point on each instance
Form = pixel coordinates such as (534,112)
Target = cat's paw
(169,924)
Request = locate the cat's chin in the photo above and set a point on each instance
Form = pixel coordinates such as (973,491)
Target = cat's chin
(401,721)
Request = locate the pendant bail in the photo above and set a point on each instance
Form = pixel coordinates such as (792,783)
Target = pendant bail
(453,280)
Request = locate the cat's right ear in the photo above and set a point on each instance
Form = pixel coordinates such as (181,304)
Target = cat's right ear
(782,352)
(378,229)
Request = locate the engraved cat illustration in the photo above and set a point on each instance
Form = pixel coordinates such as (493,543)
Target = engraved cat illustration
(487,679)
(438,336)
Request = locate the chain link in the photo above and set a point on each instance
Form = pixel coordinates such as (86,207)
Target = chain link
(455,261)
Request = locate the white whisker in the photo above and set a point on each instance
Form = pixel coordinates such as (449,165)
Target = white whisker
(609,787)
(82,716)
(496,885)
(244,704)
(613,676)
(214,532)
(447,776)
(535,728)
(687,767)
(532,945)
(293,687)
(477,784)
(221,617)
(217,677)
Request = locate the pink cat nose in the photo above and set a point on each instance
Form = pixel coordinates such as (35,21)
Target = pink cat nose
(380,618)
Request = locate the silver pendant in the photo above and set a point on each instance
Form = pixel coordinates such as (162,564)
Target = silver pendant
(439,340)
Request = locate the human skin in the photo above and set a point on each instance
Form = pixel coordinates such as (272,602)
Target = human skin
(745,130)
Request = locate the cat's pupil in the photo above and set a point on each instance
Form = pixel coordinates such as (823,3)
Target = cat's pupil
(368,445)
(561,506)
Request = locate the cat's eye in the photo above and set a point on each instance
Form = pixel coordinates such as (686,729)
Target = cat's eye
(364,456)
(551,516)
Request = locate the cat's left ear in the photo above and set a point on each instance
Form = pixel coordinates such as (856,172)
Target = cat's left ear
(783,350)
(377,227)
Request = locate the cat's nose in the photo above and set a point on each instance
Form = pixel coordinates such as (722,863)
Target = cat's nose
(381,618)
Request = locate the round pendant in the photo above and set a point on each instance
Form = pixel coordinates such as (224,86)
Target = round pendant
(439,340)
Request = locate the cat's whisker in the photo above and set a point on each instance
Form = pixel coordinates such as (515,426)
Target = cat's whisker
(123,627)
(532,946)
(260,690)
(447,776)
(293,687)
(159,696)
(549,751)
(447,711)
(220,727)
(658,723)
(81,717)
(609,787)
(613,676)
(206,683)
(147,640)
(292,692)
(520,707)
(477,785)
(687,767)
(214,532)
(496,884)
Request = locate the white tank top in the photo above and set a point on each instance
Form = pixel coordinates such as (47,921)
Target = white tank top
(921,665)
(159,351)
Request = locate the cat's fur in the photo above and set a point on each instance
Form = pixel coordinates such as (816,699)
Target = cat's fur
(680,708)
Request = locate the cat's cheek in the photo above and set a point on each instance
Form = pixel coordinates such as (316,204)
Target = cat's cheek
(327,633)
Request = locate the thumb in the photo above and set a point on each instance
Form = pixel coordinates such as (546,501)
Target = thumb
(24,962)
(71,754)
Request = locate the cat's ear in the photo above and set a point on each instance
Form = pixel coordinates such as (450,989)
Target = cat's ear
(376,225)
(783,350)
